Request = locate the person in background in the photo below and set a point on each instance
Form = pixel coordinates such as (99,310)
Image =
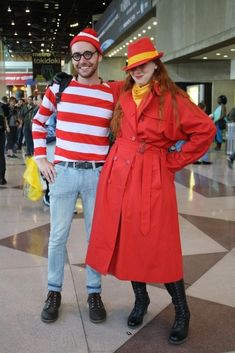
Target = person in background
(135,231)
(218,114)
(3,128)
(13,123)
(205,158)
(82,145)
(231,119)
(27,115)
(51,143)
(20,108)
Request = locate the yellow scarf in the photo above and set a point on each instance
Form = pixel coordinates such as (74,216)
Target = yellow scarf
(138,93)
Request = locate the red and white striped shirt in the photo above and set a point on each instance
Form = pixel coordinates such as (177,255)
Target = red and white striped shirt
(83,119)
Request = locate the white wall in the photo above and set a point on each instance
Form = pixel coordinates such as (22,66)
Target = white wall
(111,68)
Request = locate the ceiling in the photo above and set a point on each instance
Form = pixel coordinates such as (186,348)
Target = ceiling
(47,27)
(222,52)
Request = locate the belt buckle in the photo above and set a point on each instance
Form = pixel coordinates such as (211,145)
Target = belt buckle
(76,164)
(142,147)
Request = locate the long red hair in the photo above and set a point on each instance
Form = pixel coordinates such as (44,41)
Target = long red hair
(165,84)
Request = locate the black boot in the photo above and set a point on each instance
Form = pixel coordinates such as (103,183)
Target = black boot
(51,308)
(141,304)
(179,331)
(97,312)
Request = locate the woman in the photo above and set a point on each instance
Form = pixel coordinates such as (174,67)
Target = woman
(218,116)
(135,233)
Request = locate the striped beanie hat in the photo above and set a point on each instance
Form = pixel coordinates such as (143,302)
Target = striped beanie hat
(87,35)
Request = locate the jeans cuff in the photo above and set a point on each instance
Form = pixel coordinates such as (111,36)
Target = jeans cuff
(91,289)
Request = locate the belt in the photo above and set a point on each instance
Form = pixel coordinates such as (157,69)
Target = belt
(82,165)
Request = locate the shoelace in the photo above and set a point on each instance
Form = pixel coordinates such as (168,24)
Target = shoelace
(95,301)
(51,300)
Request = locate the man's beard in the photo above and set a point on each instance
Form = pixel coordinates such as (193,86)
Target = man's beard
(91,71)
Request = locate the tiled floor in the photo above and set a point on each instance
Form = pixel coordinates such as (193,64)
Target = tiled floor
(206,198)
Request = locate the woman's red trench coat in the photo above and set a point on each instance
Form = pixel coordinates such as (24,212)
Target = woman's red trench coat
(135,232)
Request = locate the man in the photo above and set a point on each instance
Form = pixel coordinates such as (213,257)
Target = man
(3,128)
(27,117)
(83,117)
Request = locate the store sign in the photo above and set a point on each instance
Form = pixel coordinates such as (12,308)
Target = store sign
(45,66)
(118,18)
(15,78)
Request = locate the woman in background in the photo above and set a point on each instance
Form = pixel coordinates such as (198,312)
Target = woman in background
(218,115)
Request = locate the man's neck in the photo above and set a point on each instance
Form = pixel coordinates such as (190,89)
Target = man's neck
(94,80)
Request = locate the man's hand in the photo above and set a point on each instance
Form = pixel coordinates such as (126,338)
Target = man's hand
(47,169)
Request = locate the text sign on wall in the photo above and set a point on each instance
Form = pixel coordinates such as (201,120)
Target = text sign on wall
(45,66)
(119,17)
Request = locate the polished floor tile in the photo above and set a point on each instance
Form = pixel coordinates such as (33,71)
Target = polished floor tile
(206,206)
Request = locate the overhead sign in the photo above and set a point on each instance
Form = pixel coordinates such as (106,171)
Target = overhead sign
(45,66)
(118,18)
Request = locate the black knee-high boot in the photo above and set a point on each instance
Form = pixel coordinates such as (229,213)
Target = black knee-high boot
(141,304)
(179,331)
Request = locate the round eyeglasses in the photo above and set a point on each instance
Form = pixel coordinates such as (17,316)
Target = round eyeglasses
(87,55)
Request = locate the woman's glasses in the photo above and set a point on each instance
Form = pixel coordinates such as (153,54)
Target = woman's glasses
(87,55)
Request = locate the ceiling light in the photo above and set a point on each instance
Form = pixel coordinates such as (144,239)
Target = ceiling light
(149,27)
(46,6)
(139,34)
(152,38)
(42,44)
(232,49)
(144,31)
(225,56)
(155,23)
(29,33)
(17,42)
(217,54)
(204,57)
(28,23)
(16,34)
(12,23)
(30,42)
(9,9)
(27,9)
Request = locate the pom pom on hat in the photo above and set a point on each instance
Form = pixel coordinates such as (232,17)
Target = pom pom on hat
(87,35)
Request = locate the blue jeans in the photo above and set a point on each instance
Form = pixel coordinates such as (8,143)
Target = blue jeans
(69,184)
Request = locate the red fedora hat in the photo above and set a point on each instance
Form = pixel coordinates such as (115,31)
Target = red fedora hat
(140,52)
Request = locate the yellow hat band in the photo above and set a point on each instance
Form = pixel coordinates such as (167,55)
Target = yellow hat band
(143,56)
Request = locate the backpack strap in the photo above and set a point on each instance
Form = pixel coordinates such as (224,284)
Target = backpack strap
(62,79)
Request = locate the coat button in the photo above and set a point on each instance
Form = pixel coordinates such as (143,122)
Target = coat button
(133,138)
(115,158)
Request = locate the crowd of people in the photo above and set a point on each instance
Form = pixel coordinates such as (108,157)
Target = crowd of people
(16,128)
(128,187)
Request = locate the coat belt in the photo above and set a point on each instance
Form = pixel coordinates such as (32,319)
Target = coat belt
(148,152)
